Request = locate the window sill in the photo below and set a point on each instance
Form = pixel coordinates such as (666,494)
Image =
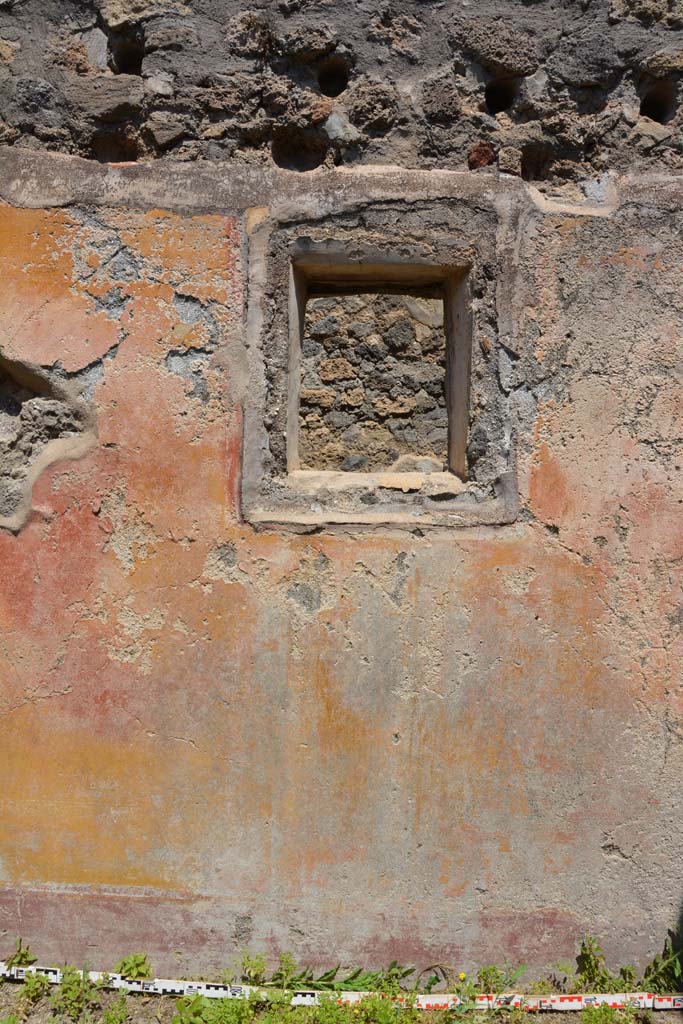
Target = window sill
(312,498)
(311,481)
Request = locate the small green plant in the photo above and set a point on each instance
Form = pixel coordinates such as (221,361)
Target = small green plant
(516,1015)
(233,1011)
(199,1010)
(389,980)
(117,1012)
(325,982)
(602,1014)
(664,973)
(11,1018)
(592,974)
(21,957)
(76,995)
(376,1009)
(465,989)
(436,974)
(628,978)
(541,987)
(190,1010)
(254,968)
(328,1012)
(288,974)
(494,979)
(32,991)
(134,967)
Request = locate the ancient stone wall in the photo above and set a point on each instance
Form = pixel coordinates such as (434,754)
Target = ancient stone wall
(544,89)
(373,383)
(340,508)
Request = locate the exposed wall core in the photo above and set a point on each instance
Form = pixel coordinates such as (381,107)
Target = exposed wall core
(373,383)
(551,91)
(40,422)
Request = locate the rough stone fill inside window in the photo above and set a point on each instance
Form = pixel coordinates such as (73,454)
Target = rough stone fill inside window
(373,373)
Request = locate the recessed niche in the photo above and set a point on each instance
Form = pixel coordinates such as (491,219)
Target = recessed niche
(379,359)
(373,382)
(360,352)
(537,160)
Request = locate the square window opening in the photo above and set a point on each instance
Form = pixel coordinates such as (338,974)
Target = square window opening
(379,371)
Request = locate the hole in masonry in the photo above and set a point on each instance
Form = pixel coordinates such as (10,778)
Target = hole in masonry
(333,76)
(590,100)
(110,147)
(126,51)
(297,150)
(536,162)
(659,102)
(500,94)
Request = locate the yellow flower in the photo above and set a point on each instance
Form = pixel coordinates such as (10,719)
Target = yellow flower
(462,975)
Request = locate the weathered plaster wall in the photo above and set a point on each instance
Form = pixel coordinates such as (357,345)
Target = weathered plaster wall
(458,745)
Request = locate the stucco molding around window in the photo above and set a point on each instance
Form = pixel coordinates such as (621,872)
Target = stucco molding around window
(453,247)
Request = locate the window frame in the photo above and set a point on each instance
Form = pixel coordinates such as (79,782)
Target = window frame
(286,261)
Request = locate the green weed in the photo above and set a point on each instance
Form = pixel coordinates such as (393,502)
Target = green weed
(199,1010)
(373,1009)
(541,987)
(592,974)
(607,1015)
(254,968)
(387,981)
(134,966)
(376,1010)
(191,1010)
(32,991)
(233,1011)
(437,974)
(664,973)
(330,1013)
(289,976)
(598,1015)
(21,957)
(465,988)
(117,1012)
(76,995)
(494,979)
